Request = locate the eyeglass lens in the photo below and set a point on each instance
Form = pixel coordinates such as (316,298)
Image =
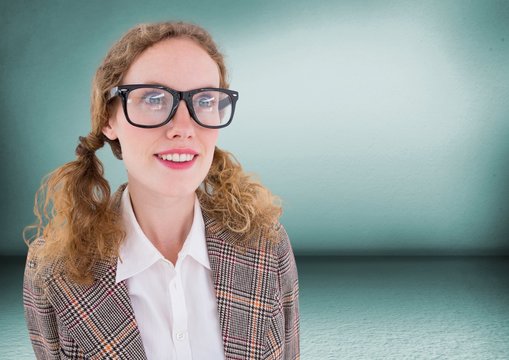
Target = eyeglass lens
(152,106)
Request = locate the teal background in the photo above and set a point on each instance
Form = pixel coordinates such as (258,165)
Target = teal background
(383,126)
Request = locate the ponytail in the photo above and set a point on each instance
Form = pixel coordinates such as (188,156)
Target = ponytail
(75,219)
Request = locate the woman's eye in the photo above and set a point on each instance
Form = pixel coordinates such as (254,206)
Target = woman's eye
(154,99)
(206,102)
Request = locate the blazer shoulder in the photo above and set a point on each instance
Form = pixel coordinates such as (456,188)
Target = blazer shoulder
(282,241)
(285,257)
(35,270)
(32,278)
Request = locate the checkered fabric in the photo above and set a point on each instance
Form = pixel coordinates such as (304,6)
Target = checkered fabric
(257,297)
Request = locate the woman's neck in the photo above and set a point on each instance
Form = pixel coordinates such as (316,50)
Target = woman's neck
(166,221)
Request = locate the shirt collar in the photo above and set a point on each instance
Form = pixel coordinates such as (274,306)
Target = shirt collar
(195,244)
(137,252)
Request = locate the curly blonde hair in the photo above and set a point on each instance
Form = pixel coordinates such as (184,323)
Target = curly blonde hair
(73,206)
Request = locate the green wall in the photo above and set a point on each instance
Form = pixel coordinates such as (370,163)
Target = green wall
(383,125)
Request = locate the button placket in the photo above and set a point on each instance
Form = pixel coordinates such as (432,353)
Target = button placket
(181,341)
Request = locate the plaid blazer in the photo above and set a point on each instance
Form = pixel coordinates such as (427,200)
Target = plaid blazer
(257,300)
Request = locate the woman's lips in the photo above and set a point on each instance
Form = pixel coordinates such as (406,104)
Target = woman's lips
(178,151)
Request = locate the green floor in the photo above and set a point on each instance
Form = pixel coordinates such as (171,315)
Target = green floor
(364,308)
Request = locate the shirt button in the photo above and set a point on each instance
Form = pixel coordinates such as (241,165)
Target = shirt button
(181,336)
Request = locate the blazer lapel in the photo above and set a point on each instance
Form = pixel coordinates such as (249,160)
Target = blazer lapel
(222,272)
(99,317)
(245,283)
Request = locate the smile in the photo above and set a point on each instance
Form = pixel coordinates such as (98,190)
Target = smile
(177,157)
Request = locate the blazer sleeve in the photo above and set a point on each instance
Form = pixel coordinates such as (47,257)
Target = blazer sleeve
(39,313)
(289,292)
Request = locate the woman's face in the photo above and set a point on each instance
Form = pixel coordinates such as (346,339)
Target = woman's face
(182,65)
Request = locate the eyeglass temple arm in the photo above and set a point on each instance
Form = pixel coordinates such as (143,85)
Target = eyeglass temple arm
(113,93)
(224,103)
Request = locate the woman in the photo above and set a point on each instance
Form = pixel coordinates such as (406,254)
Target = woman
(187,259)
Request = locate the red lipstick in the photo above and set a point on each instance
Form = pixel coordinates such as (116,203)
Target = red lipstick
(178,151)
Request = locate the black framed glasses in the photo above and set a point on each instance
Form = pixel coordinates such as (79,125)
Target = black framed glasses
(151,106)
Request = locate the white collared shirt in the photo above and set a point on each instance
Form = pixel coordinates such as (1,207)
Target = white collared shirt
(175,306)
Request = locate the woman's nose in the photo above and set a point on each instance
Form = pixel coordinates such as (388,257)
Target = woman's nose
(182,124)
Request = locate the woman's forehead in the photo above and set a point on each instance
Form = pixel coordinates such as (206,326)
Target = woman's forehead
(179,63)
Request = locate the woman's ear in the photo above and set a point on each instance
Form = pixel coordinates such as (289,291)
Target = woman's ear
(109,131)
